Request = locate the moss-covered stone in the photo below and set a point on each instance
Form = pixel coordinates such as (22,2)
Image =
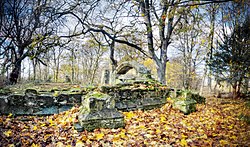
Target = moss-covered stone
(186,106)
(5,91)
(98,111)
(106,118)
(31,92)
(186,94)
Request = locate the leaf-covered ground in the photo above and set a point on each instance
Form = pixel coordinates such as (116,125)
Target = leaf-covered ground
(215,124)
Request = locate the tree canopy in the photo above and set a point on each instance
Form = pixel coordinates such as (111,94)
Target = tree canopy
(40,32)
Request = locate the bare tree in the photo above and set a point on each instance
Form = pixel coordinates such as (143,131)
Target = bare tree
(29,28)
(91,54)
(146,16)
(189,34)
(25,23)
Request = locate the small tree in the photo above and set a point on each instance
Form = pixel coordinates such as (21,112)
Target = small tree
(231,59)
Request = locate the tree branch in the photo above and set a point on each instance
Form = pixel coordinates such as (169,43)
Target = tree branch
(118,40)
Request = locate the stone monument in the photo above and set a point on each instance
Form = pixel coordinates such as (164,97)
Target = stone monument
(98,111)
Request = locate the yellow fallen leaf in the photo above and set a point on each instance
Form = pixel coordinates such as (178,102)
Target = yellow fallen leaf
(59,144)
(99,136)
(47,136)
(34,128)
(7,133)
(204,136)
(69,119)
(84,138)
(167,127)
(230,127)
(116,138)
(158,131)
(183,142)
(233,137)
(11,145)
(42,125)
(163,119)
(183,136)
(123,135)
(35,145)
(223,142)
(62,138)
(141,127)
(148,135)
(79,143)
(10,115)
(214,135)
(129,115)
(51,122)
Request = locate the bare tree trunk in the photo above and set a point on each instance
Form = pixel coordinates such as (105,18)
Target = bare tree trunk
(211,40)
(161,72)
(15,73)
(40,72)
(111,56)
(234,90)
(203,81)
(57,70)
(72,65)
(34,69)
(245,86)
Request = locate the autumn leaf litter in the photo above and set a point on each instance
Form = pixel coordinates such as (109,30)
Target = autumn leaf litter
(215,124)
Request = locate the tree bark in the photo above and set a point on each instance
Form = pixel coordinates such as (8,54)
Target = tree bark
(210,47)
(161,72)
(15,73)
(161,63)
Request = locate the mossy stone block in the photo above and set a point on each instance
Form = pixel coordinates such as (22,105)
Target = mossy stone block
(186,106)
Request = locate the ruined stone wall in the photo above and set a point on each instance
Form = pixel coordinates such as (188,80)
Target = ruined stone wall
(126,99)
(37,104)
(136,98)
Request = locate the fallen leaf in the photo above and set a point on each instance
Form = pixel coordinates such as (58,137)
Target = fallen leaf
(59,144)
(79,143)
(223,142)
(7,133)
(99,136)
(34,128)
(10,115)
(35,145)
(183,142)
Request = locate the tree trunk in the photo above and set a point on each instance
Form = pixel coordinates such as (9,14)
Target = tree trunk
(34,69)
(57,72)
(203,81)
(211,40)
(161,72)
(15,73)
(72,65)
(245,86)
(234,91)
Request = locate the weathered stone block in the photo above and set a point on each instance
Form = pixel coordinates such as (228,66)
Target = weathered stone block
(16,100)
(186,106)
(4,107)
(98,111)
(47,111)
(151,103)
(121,105)
(106,118)
(31,92)
(45,100)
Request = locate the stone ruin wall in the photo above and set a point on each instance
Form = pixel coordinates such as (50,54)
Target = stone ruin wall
(47,104)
